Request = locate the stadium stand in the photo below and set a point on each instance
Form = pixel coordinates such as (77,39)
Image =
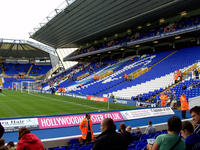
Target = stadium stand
(165,28)
(124,51)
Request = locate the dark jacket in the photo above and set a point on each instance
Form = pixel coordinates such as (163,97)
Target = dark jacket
(1,130)
(110,140)
(192,142)
(127,136)
(29,141)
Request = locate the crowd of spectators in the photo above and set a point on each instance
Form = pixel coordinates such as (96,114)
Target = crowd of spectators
(191,86)
(149,32)
(76,71)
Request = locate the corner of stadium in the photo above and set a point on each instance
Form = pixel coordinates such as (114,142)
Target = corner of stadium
(131,61)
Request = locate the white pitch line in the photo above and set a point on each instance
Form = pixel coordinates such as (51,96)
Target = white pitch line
(66,101)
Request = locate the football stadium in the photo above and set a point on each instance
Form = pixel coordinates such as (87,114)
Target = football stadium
(104,75)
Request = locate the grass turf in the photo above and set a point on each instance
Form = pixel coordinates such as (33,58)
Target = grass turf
(17,104)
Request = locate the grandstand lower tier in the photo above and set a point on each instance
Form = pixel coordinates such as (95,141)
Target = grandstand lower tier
(50,134)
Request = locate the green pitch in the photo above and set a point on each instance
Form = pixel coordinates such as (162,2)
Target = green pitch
(17,104)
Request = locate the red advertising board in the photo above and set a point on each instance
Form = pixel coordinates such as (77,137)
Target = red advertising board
(100,99)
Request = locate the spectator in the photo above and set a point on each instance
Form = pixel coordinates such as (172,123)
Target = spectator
(125,77)
(179,73)
(192,141)
(129,129)
(184,87)
(190,87)
(1,130)
(196,74)
(150,129)
(2,142)
(195,113)
(171,140)
(138,132)
(11,145)
(174,102)
(109,139)
(28,141)
(86,129)
(184,105)
(124,133)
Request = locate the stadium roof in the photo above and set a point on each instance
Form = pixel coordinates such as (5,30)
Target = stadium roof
(88,20)
(22,49)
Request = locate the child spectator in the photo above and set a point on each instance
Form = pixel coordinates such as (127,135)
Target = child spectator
(192,140)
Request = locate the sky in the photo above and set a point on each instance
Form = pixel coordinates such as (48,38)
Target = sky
(19,17)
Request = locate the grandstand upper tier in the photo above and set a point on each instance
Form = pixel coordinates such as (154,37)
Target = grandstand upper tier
(22,60)
(85,21)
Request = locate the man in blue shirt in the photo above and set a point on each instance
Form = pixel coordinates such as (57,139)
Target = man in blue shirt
(150,129)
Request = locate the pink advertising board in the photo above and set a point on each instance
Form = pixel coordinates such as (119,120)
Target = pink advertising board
(74,120)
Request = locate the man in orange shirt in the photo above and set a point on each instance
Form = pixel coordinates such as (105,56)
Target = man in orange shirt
(175,78)
(63,90)
(184,105)
(125,77)
(59,90)
(86,129)
(163,98)
(179,74)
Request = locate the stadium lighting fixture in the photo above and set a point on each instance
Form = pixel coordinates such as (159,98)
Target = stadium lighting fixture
(162,20)
(148,24)
(183,13)
(139,27)
(177,37)
(155,42)
(137,45)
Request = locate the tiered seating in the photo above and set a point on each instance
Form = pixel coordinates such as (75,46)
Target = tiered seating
(8,81)
(140,34)
(193,88)
(39,70)
(14,69)
(90,68)
(181,59)
(138,142)
(116,81)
